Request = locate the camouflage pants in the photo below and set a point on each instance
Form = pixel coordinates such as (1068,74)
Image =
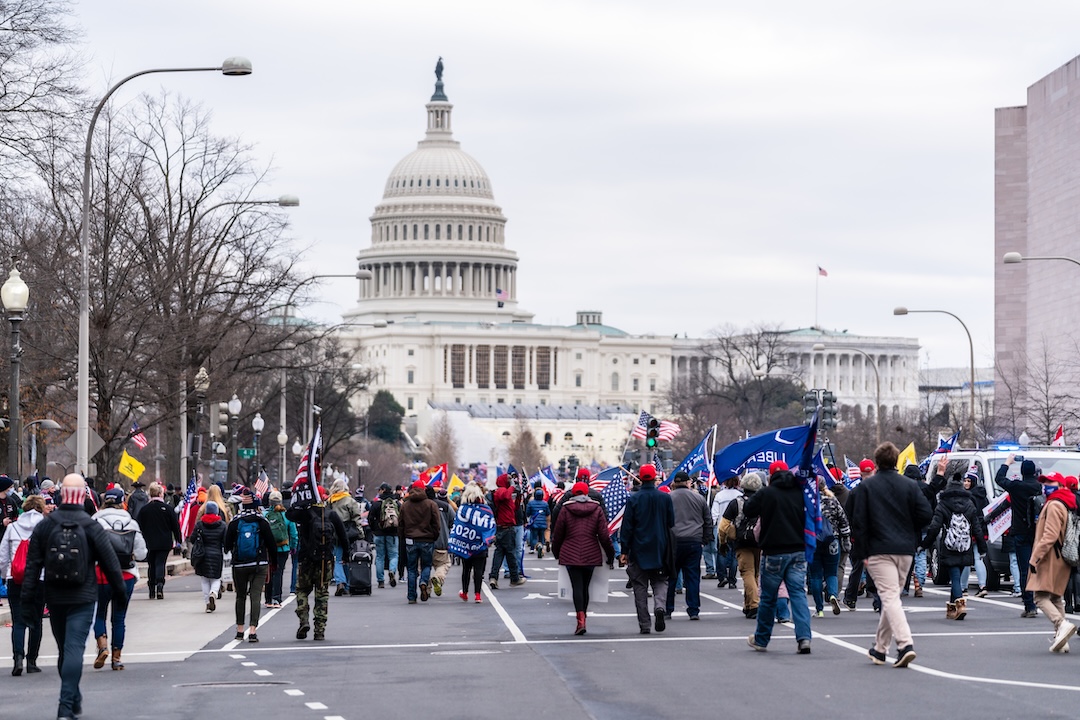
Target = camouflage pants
(314,575)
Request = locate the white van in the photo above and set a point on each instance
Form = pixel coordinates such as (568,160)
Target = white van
(986,461)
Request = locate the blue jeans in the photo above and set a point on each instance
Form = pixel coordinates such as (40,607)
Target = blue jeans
(920,565)
(339,569)
(727,566)
(823,571)
(70,627)
(104,598)
(536,535)
(708,552)
(789,568)
(19,628)
(505,549)
(957,590)
(1023,559)
(1014,572)
(418,563)
(386,554)
(980,570)
(519,551)
(688,562)
(293,560)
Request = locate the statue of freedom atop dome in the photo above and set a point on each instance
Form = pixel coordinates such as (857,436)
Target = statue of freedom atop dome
(438,69)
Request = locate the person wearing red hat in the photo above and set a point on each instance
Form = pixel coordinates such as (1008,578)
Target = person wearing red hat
(866,468)
(648,519)
(505,501)
(580,534)
(418,530)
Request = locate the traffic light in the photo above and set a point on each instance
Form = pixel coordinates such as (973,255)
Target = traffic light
(223,420)
(828,410)
(810,403)
(562,467)
(221,471)
(573,466)
(667,458)
(652,433)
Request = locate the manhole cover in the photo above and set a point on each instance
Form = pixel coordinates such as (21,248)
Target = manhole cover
(238,684)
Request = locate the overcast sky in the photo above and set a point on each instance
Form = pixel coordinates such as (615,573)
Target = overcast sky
(678,165)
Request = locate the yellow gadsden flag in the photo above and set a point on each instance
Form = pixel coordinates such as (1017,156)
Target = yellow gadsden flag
(455,483)
(130,467)
(907,457)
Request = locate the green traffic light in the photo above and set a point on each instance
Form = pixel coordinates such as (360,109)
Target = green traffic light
(650,442)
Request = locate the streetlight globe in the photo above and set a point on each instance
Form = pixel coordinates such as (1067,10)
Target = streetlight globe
(235,406)
(282,438)
(364,274)
(202,381)
(50,424)
(14,293)
(257,423)
(1011,258)
(288,201)
(297,448)
(236,66)
(900,311)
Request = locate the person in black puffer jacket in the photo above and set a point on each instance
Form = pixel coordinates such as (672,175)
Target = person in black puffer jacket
(954,501)
(210,536)
(978,496)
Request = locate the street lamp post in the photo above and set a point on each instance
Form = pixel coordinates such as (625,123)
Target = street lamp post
(15,296)
(234,412)
(820,347)
(257,425)
(233,66)
(202,386)
(971,348)
(1012,258)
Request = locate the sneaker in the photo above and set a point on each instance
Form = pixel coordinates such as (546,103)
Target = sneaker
(751,614)
(1065,631)
(209,608)
(1029,614)
(835,605)
(678,591)
(238,636)
(819,613)
(493,583)
(645,630)
(340,590)
(695,617)
(983,592)
(783,621)
(393,580)
(919,591)
(878,658)
(1016,593)
(708,576)
(518,583)
(661,623)
(301,634)
(478,599)
(804,646)
(424,594)
(252,637)
(412,602)
(753,643)
(381,584)
(464,596)
(904,656)
(850,604)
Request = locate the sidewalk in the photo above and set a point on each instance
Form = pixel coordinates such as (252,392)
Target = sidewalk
(175,565)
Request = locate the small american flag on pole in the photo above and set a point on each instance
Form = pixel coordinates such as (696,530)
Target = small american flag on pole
(137,437)
(501,294)
(262,484)
(822,272)
(667,433)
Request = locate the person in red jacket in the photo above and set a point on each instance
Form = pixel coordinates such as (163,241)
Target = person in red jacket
(504,502)
(580,533)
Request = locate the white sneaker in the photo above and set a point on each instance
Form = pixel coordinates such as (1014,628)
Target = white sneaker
(1065,631)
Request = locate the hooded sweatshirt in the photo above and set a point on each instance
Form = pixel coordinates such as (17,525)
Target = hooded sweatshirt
(114,518)
(782,512)
(505,502)
(419,518)
(18,531)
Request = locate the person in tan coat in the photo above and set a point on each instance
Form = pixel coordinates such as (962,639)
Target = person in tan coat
(1048,574)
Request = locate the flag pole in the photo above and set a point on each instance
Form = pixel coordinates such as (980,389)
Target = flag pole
(817,286)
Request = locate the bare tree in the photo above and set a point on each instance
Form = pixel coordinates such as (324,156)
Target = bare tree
(442,444)
(1048,379)
(524,451)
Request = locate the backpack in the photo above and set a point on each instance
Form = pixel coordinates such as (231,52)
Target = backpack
(18,563)
(958,534)
(744,527)
(388,514)
(1070,546)
(67,555)
(826,533)
(321,536)
(280,529)
(248,540)
(198,548)
(123,543)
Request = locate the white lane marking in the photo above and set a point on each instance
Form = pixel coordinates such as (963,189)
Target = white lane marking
(634,614)
(919,667)
(333,717)
(294,692)
(262,618)
(316,706)
(249,664)
(467,652)
(263,673)
(519,637)
(234,657)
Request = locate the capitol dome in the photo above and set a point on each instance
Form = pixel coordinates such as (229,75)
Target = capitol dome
(438,248)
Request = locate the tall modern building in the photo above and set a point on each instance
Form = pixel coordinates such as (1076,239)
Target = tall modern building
(440,324)
(1037,213)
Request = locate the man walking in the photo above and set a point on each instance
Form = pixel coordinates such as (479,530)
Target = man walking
(693,530)
(383,521)
(783,548)
(417,533)
(66,545)
(161,530)
(440,559)
(649,557)
(319,529)
(1022,531)
(890,510)
(504,502)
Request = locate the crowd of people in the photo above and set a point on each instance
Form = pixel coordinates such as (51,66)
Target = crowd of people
(70,554)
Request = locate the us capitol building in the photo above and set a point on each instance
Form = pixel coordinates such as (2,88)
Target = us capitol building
(440,323)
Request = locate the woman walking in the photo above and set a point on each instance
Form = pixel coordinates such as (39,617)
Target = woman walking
(835,535)
(129,545)
(962,526)
(473,548)
(12,565)
(208,552)
(581,533)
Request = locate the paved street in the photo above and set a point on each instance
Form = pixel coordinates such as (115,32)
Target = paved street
(515,655)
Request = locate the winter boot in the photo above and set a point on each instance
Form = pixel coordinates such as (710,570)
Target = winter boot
(950,611)
(116,664)
(918,588)
(580,624)
(18,669)
(961,609)
(102,652)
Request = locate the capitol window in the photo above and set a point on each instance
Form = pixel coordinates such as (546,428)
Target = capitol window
(615,381)
(415,232)
(436,182)
(635,381)
(568,437)
(425,232)
(459,232)
(437,231)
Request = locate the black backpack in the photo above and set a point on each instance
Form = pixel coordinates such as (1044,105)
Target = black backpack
(744,526)
(321,534)
(123,543)
(67,555)
(1035,509)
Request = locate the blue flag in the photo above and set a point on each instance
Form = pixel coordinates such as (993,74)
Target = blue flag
(473,530)
(698,458)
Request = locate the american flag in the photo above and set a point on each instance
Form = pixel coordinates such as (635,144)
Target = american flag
(188,505)
(604,477)
(667,433)
(310,470)
(615,494)
(137,437)
(854,474)
(501,294)
(262,484)
(821,271)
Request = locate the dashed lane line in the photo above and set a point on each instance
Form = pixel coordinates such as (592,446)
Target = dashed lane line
(263,617)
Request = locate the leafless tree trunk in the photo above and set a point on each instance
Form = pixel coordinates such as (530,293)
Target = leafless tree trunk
(442,444)
(524,451)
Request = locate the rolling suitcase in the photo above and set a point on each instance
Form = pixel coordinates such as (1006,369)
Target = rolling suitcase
(360,561)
